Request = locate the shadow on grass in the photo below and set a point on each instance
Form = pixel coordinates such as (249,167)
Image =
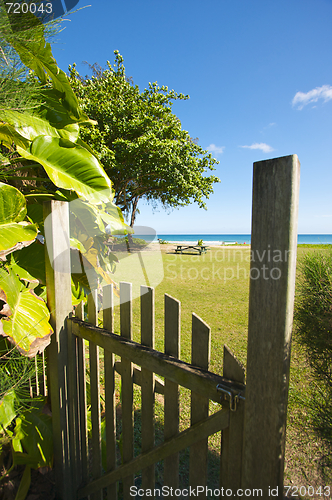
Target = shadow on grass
(321,419)
(213,459)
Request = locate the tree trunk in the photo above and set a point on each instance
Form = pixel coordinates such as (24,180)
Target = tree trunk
(133,212)
(132,221)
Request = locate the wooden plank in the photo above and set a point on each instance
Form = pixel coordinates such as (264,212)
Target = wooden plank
(232,436)
(110,407)
(127,386)
(271,300)
(74,448)
(197,432)
(181,373)
(137,377)
(147,380)
(58,285)
(171,389)
(94,393)
(82,401)
(200,356)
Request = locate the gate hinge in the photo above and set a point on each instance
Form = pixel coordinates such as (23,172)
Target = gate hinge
(230,395)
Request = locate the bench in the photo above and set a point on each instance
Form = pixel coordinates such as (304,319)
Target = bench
(196,248)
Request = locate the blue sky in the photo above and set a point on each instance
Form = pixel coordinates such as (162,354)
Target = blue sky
(259,77)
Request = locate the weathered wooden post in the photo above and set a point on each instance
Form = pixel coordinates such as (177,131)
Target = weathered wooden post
(58,283)
(271,301)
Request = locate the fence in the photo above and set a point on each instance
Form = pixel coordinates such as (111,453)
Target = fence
(196,377)
(253,430)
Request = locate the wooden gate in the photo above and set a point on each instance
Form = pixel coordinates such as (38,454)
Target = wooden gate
(139,364)
(253,418)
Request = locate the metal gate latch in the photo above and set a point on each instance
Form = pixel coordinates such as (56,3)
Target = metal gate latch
(230,395)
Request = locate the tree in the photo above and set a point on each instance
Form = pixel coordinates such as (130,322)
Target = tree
(140,142)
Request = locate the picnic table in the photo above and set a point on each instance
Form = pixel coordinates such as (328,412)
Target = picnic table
(196,248)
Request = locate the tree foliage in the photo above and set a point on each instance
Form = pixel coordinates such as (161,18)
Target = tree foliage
(140,141)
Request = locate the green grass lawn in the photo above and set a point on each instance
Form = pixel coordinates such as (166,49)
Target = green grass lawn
(216,287)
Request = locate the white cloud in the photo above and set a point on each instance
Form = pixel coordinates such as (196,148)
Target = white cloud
(301,99)
(262,146)
(217,150)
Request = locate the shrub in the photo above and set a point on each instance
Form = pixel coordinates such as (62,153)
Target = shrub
(313,316)
(314,313)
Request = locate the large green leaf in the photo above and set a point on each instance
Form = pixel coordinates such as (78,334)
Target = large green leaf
(112,216)
(55,113)
(37,55)
(7,409)
(26,323)
(12,204)
(70,166)
(29,263)
(33,434)
(28,125)
(22,128)
(15,233)
(9,136)
(15,236)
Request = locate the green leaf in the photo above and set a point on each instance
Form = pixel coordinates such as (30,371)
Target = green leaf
(28,125)
(34,431)
(77,293)
(35,213)
(27,320)
(24,127)
(7,409)
(112,215)
(9,136)
(15,233)
(30,261)
(70,166)
(55,113)
(15,236)
(37,56)
(12,204)
(24,484)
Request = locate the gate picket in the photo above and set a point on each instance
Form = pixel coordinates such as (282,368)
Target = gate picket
(110,408)
(94,393)
(81,377)
(200,356)
(232,436)
(127,386)
(147,383)
(171,390)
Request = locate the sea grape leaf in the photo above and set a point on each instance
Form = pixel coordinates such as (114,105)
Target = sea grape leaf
(27,323)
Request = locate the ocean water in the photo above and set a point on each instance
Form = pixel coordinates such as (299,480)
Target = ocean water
(229,239)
